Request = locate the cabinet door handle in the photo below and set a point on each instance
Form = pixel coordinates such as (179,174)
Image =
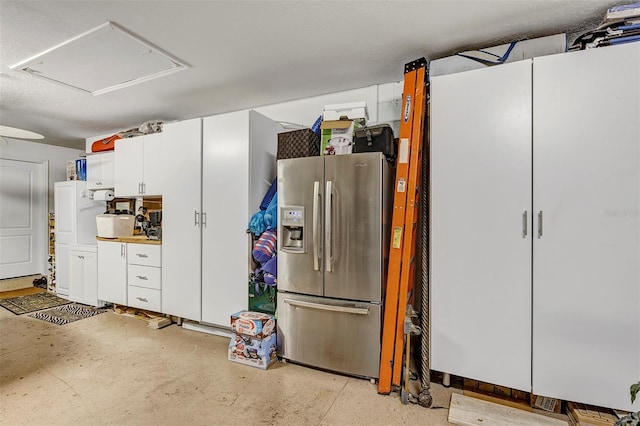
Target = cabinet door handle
(123,250)
(524,224)
(142,299)
(196,218)
(204,219)
(144,188)
(141,255)
(540,224)
(142,277)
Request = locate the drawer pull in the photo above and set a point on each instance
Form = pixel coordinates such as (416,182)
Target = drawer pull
(142,299)
(141,255)
(142,277)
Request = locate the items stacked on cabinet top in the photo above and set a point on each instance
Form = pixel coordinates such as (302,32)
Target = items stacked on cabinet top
(253,341)
(621,24)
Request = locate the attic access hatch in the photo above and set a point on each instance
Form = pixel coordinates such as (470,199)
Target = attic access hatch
(101,60)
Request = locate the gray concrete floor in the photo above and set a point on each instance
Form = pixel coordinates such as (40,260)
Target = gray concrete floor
(113,369)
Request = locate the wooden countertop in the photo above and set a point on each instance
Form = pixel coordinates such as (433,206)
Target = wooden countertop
(138,239)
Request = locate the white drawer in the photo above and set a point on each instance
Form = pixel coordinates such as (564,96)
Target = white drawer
(144,298)
(144,254)
(145,276)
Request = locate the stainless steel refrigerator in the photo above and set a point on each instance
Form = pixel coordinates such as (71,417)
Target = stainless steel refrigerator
(333,243)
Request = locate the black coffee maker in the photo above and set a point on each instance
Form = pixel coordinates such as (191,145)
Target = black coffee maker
(154,230)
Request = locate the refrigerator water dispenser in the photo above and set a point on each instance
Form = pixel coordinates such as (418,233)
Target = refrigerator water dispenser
(292,219)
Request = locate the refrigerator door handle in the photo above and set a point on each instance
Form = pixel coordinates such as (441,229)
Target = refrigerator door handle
(328,227)
(316,195)
(333,308)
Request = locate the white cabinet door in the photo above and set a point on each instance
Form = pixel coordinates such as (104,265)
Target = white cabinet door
(480,234)
(62,269)
(100,171)
(158,163)
(65,204)
(181,210)
(228,151)
(90,278)
(76,264)
(128,167)
(112,272)
(586,293)
(83,275)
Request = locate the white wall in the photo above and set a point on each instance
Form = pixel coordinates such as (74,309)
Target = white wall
(56,156)
(383,104)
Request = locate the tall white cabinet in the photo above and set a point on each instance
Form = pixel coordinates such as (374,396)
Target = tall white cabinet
(535,230)
(239,164)
(223,166)
(75,214)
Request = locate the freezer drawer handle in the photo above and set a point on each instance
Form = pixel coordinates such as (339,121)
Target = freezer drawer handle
(334,308)
(316,195)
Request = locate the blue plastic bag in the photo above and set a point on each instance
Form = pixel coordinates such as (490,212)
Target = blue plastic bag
(271,214)
(256,223)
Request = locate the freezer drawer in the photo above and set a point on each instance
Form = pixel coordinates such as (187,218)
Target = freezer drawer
(328,333)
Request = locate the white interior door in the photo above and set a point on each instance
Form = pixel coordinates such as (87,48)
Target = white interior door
(480,262)
(586,292)
(23,217)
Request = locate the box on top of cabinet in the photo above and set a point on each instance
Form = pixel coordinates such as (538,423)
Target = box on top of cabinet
(257,324)
(337,136)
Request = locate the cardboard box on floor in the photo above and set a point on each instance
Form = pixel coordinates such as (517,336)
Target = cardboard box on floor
(252,351)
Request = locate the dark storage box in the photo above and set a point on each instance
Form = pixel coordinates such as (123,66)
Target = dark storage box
(298,143)
(377,138)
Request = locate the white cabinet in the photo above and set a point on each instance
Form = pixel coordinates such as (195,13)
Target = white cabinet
(83,275)
(75,223)
(239,152)
(100,170)
(138,166)
(144,282)
(535,230)
(182,220)
(112,272)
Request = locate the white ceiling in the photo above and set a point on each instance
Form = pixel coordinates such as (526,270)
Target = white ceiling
(251,53)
